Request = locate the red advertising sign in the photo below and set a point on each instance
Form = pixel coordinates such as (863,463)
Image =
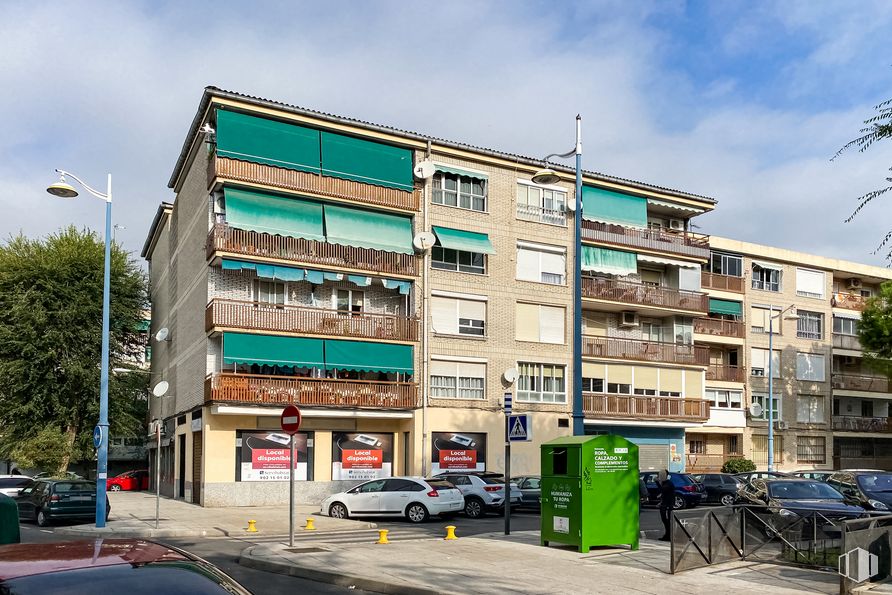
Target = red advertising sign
(458,459)
(362,459)
(291,419)
(271,458)
(458,451)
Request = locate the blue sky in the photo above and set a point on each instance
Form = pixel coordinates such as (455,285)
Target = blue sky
(742,101)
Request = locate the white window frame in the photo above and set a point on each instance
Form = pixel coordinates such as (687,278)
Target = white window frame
(810,318)
(541,249)
(440,177)
(815,415)
(536,393)
(255,289)
(441,390)
(764,285)
(762,399)
(350,293)
(444,265)
(803,357)
(776,365)
(542,309)
(852,323)
(723,398)
(457,300)
(810,294)
(539,212)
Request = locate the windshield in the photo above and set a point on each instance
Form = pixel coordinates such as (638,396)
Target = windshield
(802,490)
(493,480)
(875,482)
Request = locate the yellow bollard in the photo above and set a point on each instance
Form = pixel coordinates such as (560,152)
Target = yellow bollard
(252,526)
(450,532)
(309,526)
(382,536)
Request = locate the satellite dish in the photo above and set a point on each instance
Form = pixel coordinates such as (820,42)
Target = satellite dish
(424,170)
(162,334)
(756,410)
(424,241)
(571,205)
(161,388)
(510,375)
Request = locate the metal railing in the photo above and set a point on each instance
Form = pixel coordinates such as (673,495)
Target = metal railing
(683,243)
(639,294)
(719,327)
(852,423)
(874,384)
(645,351)
(725,373)
(846,342)
(541,214)
(598,405)
(721,282)
(304,319)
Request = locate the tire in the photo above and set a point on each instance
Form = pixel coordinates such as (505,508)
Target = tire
(416,513)
(727,500)
(115,488)
(338,511)
(42,519)
(678,503)
(474,508)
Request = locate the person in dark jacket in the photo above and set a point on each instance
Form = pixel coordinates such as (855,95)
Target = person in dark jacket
(667,500)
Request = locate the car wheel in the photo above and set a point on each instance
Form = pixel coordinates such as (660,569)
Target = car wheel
(474,508)
(678,503)
(42,519)
(338,511)
(416,513)
(728,500)
(115,488)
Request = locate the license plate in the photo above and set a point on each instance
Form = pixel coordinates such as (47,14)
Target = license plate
(81,498)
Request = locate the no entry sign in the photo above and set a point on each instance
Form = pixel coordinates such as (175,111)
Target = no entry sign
(291,420)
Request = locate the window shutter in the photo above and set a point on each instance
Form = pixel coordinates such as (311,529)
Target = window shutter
(444,317)
(670,380)
(620,374)
(527,322)
(810,282)
(594,323)
(693,384)
(759,317)
(471,309)
(551,324)
(527,264)
(441,368)
(645,377)
(470,370)
(554,263)
(758,359)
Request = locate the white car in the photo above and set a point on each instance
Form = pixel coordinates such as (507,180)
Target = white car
(415,498)
(11,484)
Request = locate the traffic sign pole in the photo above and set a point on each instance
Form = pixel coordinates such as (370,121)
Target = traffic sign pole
(507,476)
(291,495)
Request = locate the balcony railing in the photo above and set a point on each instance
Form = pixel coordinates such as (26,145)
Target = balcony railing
(300,181)
(725,373)
(676,242)
(312,392)
(223,238)
(636,294)
(851,423)
(875,384)
(720,328)
(597,405)
(848,301)
(645,351)
(721,282)
(706,463)
(542,215)
(846,342)
(306,320)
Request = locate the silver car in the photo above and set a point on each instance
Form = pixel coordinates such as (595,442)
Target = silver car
(11,484)
(483,491)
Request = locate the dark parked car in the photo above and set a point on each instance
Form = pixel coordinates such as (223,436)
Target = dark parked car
(748,476)
(688,493)
(529,490)
(135,566)
(49,500)
(870,489)
(816,475)
(719,487)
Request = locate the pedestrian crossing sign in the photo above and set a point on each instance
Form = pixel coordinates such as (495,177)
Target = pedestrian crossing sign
(520,428)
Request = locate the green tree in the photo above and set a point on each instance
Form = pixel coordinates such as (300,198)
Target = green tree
(875,330)
(738,465)
(50,345)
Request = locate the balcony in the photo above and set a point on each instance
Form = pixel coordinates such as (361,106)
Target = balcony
(851,423)
(307,320)
(223,238)
(299,181)
(638,294)
(706,463)
(725,373)
(634,407)
(542,215)
(645,351)
(874,384)
(683,243)
(721,282)
(718,327)
(311,392)
(848,301)
(850,342)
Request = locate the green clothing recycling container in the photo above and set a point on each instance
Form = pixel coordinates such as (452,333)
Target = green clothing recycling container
(9,520)
(589,491)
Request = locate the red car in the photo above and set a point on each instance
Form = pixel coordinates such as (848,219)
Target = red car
(128,481)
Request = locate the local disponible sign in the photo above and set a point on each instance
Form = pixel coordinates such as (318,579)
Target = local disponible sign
(458,451)
(361,456)
(264,456)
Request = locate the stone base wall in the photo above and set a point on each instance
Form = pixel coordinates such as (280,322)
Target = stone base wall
(258,493)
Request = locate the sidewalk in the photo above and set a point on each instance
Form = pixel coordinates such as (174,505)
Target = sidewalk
(493,563)
(133,515)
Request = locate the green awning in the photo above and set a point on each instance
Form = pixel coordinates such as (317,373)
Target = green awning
(604,260)
(271,350)
(143,325)
(277,215)
(461,172)
(466,241)
(260,140)
(368,357)
(613,207)
(717,306)
(266,271)
(366,161)
(368,229)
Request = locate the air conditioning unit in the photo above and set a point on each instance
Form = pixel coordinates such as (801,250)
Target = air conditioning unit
(782,425)
(849,360)
(854,283)
(676,224)
(628,318)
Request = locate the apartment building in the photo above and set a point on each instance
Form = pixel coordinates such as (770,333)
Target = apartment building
(395,287)
(830,411)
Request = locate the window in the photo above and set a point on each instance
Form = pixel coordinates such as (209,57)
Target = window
(646,392)
(541,383)
(456,316)
(766,277)
(652,330)
(458,260)
(725,264)
(269,292)
(593,385)
(458,380)
(619,388)
(349,300)
(811,449)
(810,366)
(810,283)
(541,324)
(762,399)
(545,205)
(759,362)
(541,264)
(810,409)
(733,445)
(670,393)
(760,449)
(845,326)
(760,320)
(454,190)
(725,399)
(696,447)
(810,325)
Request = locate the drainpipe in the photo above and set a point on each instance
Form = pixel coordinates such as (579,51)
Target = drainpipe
(425,344)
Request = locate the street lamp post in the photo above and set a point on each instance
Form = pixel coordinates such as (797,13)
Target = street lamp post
(64,190)
(771,378)
(548,176)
